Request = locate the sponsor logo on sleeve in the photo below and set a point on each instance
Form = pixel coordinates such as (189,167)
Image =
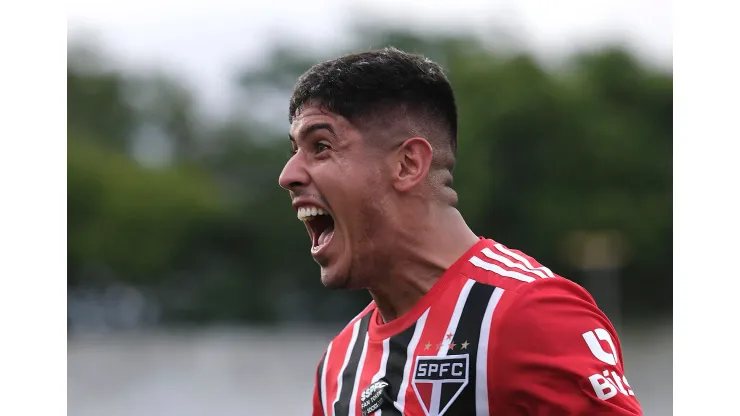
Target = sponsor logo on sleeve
(609,382)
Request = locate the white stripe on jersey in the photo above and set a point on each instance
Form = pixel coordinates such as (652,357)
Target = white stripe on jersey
(455,318)
(505,260)
(358,375)
(497,269)
(355,330)
(401,401)
(383,363)
(323,380)
(526,262)
(481,365)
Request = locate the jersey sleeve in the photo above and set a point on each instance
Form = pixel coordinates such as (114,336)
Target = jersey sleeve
(556,353)
(318,409)
(318,405)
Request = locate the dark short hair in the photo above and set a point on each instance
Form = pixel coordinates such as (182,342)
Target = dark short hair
(366,84)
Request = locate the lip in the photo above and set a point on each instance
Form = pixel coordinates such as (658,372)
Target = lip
(320,254)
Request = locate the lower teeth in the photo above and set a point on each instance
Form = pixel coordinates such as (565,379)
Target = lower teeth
(317,248)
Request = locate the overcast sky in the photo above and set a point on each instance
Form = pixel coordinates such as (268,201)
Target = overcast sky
(205,41)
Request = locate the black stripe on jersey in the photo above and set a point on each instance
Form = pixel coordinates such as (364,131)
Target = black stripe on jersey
(468,332)
(320,371)
(397,354)
(341,406)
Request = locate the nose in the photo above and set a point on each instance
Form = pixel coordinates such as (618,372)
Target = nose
(294,174)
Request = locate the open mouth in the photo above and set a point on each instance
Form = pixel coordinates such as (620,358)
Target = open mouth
(320,226)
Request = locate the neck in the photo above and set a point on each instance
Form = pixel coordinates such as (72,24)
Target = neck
(419,257)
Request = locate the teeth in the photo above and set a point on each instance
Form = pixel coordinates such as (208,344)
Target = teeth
(317,248)
(307,213)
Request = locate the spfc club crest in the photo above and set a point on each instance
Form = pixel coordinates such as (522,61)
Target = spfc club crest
(438,381)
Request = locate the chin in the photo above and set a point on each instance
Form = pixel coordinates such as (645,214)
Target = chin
(332,280)
(334,276)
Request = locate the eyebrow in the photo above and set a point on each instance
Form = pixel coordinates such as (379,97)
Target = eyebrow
(315,127)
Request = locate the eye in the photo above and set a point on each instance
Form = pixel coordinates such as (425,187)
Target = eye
(320,147)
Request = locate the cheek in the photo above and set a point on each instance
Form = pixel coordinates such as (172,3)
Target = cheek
(359,191)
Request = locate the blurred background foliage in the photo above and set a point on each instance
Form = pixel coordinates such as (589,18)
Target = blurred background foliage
(176,218)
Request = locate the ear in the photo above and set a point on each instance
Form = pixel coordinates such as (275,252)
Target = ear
(411,163)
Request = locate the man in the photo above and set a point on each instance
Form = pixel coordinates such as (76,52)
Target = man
(459,325)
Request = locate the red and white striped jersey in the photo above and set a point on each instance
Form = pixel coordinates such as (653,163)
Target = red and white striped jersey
(498,334)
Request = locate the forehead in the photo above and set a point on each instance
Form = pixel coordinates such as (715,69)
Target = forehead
(315,115)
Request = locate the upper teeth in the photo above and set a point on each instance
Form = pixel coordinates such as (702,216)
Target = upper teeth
(307,213)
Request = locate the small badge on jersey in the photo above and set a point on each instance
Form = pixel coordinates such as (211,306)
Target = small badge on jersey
(374,397)
(438,381)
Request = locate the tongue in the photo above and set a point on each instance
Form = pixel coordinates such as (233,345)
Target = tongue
(326,236)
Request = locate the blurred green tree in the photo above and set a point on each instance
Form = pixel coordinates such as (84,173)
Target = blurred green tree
(544,153)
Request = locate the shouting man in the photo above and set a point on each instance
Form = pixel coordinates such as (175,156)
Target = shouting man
(459,324)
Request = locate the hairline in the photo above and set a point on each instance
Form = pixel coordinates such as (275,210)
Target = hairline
(363,121)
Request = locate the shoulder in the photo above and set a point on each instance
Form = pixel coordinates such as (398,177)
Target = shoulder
(550,308)
(530,293)
(554,349)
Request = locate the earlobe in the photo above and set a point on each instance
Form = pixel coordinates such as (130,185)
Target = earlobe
(414,157)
